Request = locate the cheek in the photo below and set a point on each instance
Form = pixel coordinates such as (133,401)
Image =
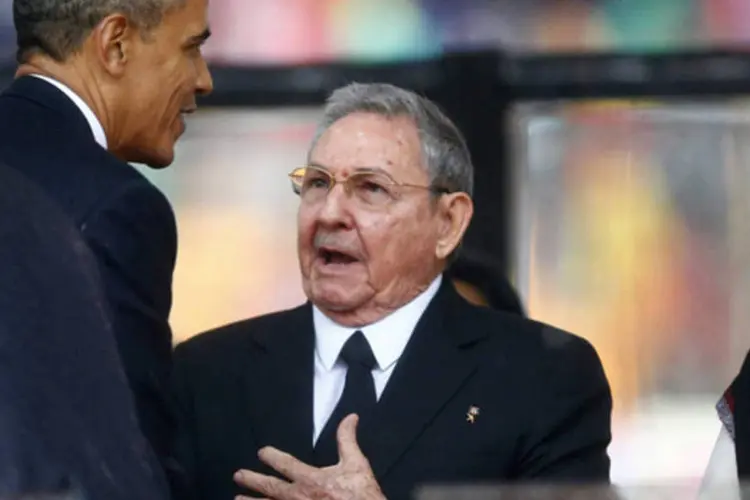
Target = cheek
(387,242)
(305,234)
(154,105)
(397,246)
(173,87)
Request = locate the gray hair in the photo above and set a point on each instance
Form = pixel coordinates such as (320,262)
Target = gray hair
(444,151)
(58,28)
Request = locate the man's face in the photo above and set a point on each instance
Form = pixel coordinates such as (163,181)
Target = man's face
(357,257)
(164,74)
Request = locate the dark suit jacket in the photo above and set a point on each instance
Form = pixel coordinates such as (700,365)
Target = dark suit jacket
(543,398)
(67,419)
(126,222)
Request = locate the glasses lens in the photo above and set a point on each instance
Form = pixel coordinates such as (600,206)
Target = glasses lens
(311,183)
(372,189)
(297,176)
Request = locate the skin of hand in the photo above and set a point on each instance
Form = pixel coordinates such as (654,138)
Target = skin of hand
(350,479)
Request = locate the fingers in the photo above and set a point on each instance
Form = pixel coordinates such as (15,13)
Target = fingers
(346,435)
(286,464)
(266,485)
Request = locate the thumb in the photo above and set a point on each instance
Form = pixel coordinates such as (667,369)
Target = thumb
(346,435)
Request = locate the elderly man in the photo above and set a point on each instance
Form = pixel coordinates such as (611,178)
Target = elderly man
(102,83)
(443,390)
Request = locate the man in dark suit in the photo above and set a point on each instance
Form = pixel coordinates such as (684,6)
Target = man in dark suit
(100,84)
(444,390)
(67,419)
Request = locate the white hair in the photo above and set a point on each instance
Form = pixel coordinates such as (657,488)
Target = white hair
(444,149)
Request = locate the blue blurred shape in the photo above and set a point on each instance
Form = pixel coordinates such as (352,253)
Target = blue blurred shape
(382,30)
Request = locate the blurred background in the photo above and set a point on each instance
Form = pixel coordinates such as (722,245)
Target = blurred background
(612,146)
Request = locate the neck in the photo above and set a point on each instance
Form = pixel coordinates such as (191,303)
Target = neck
(80,79)
(375,309)
(360,317)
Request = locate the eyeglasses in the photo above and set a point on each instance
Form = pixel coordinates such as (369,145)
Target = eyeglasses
(371,188)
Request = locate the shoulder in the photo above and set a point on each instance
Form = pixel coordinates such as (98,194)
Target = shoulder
(81,177)
(131,218)
(121,188)
(531,343)
(554,370)
(135,227)
(135,199)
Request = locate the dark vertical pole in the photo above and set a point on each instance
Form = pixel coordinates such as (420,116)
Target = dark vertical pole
(473,97)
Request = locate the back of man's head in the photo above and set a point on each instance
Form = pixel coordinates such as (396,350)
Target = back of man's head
(58,28)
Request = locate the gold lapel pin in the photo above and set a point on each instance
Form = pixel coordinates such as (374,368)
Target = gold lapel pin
(472,414)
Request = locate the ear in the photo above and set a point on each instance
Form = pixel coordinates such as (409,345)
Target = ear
(113,42)
(455,210)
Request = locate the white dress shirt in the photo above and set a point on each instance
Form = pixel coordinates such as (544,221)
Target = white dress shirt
(93,121)
(388,338)
(721,472)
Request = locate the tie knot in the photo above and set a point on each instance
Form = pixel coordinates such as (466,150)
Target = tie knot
(357,352)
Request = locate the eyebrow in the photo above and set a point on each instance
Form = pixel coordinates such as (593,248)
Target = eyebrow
(356,169)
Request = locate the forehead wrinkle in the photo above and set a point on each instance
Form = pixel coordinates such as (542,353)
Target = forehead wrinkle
(351,142)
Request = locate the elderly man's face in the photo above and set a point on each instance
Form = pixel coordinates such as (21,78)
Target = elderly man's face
(360,260)
(164,74)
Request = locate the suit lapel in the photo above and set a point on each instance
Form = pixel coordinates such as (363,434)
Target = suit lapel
(436,363)
(283,382)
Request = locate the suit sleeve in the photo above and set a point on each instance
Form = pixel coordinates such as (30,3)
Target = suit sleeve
(571,421)
(134,239)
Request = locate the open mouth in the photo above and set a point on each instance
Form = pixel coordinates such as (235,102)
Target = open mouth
(330,257)
(184,113)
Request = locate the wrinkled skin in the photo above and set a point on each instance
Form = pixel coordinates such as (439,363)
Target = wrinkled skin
(398,249)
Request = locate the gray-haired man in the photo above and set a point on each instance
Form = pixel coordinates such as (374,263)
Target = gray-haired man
(444,390)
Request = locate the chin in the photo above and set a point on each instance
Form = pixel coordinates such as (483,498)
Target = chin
(156,158)
(159,164)
(335,298)
(162,159)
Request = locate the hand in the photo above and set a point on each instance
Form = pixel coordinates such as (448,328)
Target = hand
(350,479)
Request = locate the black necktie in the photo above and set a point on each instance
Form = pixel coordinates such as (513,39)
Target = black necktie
(359,396)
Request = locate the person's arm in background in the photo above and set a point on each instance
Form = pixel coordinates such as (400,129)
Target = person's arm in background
(133,236)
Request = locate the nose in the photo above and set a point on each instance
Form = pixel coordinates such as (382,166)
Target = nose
(334,210)
(204,83)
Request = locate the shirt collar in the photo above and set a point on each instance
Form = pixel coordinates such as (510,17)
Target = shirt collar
(387,337)
(96,126)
